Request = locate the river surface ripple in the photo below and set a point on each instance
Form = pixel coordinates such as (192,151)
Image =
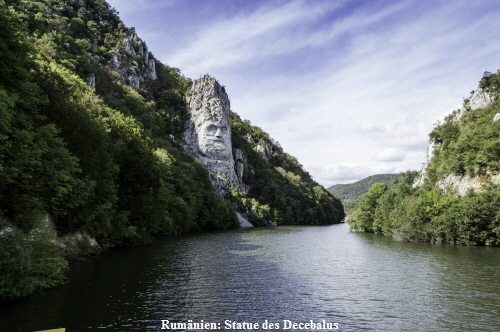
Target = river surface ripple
(363,282)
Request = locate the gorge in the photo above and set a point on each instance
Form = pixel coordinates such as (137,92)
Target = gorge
(132,195)
(104,146)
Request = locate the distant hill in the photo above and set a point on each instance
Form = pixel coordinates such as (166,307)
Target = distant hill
(354,191)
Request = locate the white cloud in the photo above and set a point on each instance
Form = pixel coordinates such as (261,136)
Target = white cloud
(346,173)
(336,85)
(391,155)
(246,37)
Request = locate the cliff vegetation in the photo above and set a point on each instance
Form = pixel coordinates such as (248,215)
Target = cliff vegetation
(280,191)
(455,199)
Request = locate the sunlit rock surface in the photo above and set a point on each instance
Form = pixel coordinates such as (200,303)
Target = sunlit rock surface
(208,134)
(455,184)
(423,173)
(478,99)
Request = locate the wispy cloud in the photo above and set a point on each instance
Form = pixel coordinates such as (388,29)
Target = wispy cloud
(268,31)
(274,31)
(126,7)
(341,83)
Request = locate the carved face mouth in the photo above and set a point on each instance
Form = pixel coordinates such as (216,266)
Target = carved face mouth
(218,145)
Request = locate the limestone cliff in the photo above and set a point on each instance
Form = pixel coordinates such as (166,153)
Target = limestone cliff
(208,134)
(134,62)
(460,183)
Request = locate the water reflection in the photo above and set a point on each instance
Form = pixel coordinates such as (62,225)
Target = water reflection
(362,281)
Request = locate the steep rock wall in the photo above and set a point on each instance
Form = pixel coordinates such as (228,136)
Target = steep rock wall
(478,99)
(135,63)
(207,133)
(454,184)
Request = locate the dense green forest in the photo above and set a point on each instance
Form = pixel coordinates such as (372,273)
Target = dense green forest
(467,146)
(281,191)
(351,193)
(90,124)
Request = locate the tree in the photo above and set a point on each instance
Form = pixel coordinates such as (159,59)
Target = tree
(364,216)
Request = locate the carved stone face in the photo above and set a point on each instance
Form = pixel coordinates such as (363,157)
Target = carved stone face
(214,139)
(208,132)
(210,129)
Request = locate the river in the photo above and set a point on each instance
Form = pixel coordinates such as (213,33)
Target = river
(285,275)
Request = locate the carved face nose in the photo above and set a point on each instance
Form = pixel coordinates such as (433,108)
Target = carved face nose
(218,133)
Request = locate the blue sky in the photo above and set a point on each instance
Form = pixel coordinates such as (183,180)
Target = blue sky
(350,88)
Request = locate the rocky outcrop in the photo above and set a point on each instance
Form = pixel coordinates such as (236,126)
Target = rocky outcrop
(453,183)
(243,221)
(79,243)
(135,64)
(265,150)
(239,164)
(91,81)
(207,133)
(478,99)
(423,173)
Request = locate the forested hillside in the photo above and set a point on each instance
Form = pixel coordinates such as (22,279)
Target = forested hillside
(350,193)
(90,129)
(457,201)
(357,189)
(281,191)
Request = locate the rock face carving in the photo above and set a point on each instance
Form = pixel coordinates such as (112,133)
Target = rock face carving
(208,134)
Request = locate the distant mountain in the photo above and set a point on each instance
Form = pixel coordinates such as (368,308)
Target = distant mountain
(354,191)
